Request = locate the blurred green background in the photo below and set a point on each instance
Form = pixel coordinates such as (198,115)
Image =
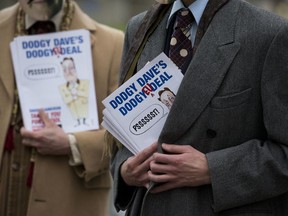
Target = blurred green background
(117,12)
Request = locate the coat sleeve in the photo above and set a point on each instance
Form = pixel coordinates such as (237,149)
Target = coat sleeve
(257,170)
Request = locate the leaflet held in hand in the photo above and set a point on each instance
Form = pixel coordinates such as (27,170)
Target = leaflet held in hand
(136,112)
(54,72)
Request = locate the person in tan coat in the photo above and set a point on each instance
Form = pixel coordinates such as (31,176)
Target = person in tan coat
(68,174)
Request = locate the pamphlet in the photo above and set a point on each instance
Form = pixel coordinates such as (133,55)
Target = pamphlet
(54,72)
(136,112)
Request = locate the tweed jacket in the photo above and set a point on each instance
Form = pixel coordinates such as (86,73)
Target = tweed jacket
(58,189)
(231,105)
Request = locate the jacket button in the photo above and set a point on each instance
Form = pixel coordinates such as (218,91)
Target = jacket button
(211,133)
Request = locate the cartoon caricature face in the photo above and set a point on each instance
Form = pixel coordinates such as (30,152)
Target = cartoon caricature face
(167,97)
(69,70)
(41,9)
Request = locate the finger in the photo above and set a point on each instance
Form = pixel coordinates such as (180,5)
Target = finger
(165,158)
(145,165)
(29,142)
(26,133)
(146,153)
(133,165)
(159,178)
(161,167)
(45,118)
(176,149)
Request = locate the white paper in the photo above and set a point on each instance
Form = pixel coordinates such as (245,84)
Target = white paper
(39,71)
(133,113)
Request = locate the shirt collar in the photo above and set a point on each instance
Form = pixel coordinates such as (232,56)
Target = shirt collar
(197,8)
(29,21)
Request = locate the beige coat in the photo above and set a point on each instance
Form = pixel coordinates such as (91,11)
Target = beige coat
(58,189)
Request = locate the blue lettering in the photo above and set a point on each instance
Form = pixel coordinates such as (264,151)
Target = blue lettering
(133,87)
(138,98)
(123,111)
(143,94)
(113,104)
(162,64)
(141,82)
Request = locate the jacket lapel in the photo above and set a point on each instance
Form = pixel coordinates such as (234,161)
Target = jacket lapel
(6,70)
(155,44)
(80,20)
(204,74)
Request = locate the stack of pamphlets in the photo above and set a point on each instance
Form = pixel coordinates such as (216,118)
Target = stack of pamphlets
(54,72)
(136,112)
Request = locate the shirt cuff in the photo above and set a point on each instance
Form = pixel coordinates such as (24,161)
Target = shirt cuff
(75,158)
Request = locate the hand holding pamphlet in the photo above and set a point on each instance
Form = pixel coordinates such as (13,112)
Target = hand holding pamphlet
(136,112)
